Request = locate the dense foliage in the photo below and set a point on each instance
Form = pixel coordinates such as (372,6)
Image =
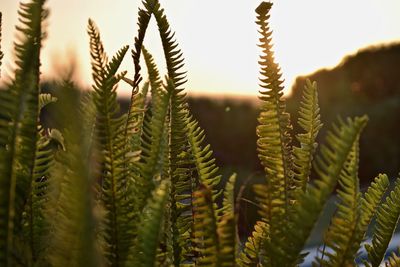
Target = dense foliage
(143,189)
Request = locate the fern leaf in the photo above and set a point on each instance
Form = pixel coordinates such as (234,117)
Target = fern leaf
(309,121)
(274,148)
(34,220)
(150,229)
(367,209)
(18,125)
(71,208)
(109,129)
(253,253)
(387,217)
(343,225)
(329,165)
(206,235)
(205,163)
(227,229)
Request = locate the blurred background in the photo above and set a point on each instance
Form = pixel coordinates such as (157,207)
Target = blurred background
(351,48)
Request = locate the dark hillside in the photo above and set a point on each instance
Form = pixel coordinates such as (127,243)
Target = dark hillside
(367,82)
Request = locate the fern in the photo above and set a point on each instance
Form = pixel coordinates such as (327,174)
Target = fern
(309,120)
(273,142)
(109,129)
(227,226)
(150,228)
(387,217)
(329,166)
(71,208)
(205,228)
(342,228)
(18,124)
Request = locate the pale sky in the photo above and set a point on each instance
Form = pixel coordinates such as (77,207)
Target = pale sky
(218,37)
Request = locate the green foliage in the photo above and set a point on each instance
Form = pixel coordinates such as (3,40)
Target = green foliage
(143,188)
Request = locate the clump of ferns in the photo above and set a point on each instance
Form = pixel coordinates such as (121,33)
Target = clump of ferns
(142,188)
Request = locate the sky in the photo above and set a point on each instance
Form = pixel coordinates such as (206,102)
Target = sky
(218,37)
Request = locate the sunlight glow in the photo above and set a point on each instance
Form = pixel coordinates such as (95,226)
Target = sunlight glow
(218,38)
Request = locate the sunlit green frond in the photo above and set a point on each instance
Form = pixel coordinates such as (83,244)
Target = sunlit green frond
(274,141)
(387,217)
(18,125)
(367,209)
(340,236)
(173,55)
(71,208)
(118,228)
(227,226)
(150,228)
(253,253)
(205,228)
(309,121)
(144,16)
(154,75)
(329,165)
(205,163)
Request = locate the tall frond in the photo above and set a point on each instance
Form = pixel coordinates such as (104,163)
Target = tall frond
(340,235)
(205,228)
(71,208)
(387,217)
(253,253)
(309,121)
(110,138)
(18,125)
(273,142)
(34,219)
(150,228)
(227,226)
(329,165)
(205,164)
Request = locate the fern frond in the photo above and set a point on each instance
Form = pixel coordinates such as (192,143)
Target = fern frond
(340,235)
(309,121)
(206,235)
(205,163)
(274,148)
(150,228)
(253,253)
(366,210)
(154,75)
(71,209)
(135,125)
(109,130)
(18,125)
(387,217)
(227,225)
(173,55)
(34,221)
(329,165)
(144,16)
